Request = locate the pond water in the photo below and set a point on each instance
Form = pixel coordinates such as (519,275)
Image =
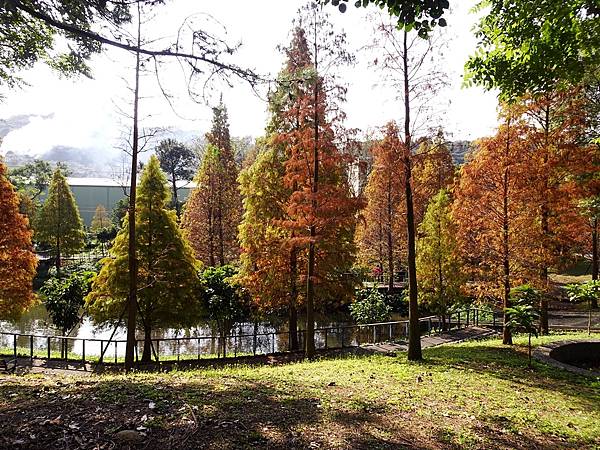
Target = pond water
(198,341)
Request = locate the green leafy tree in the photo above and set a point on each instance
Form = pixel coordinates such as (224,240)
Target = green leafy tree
(167,270)
(119,212)
(370,307)
(33,177)
(523,318)
(59,224)
(178,162)
(588,292)
(529,46)
(225,300)
(422,15)
(439,270)
(64,298)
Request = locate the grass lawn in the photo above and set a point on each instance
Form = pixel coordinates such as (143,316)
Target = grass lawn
(469,395)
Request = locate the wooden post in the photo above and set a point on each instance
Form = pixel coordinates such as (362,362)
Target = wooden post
(325,337)
(15,345)
(83,351)
(31,346)
(48,347)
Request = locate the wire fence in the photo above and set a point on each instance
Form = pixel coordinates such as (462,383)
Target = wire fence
(93,350)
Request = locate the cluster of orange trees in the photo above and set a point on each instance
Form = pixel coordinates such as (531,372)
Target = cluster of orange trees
(298,232)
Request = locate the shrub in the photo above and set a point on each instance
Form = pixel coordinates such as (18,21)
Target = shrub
(370,307)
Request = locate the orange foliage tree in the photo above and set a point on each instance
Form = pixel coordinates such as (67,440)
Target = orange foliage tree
(381,234)
(433,171)
(555,127)
(17,259)
(213,211)
(493,215)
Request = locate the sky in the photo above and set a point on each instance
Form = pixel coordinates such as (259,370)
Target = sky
(84,113)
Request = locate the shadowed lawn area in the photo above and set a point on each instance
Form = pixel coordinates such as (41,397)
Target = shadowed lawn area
(471,395)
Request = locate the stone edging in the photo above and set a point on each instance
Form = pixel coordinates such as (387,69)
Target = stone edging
(542,353)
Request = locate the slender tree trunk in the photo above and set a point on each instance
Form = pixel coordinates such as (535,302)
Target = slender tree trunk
(529,349)
(414,334)
(390,237)
(220,228)
(506,334)
(544,213)
(293,312)
(147,353)
(211,234)
(595,257)
(132,256)
(309,342)
(175,199)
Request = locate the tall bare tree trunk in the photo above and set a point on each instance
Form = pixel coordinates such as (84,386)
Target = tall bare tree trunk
(414,334)
(175,199)
(594,256)
(293,312)
(133,267)
(506,334)
(309,346)
(544,213)
(390,238)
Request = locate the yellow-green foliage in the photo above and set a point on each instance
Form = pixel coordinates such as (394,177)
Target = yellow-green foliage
(167,269)
(59,223)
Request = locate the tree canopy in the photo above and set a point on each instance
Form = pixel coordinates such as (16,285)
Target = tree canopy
(17,259)
(532,46)
(167,270)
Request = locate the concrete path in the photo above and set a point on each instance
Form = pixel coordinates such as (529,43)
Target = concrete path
(433,340)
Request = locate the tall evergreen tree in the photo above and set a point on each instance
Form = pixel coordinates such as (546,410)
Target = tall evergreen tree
(213,211)
(17,259)
(439,269)
(59,224)
(167,271)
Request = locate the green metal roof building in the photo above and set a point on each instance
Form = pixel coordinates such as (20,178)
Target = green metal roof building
(91,192)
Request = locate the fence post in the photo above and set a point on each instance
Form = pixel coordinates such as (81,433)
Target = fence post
(325,337)
(390,332)
(101,352)
(31,346)
(83,351)
(235,345)
(468,315)
(15,344)
(459,320)
(178,348)
(158,350)
(273,346)
(343,329)
(116,352)
(374,333)
(48,343)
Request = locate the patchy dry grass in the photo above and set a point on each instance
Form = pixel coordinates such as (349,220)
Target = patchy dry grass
(471,395)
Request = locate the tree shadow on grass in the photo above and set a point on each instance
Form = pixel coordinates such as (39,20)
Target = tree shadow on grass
(186,413)
(508,363)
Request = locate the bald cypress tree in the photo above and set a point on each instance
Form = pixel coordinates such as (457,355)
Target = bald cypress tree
(214,208)
(17,259)
(167,270)
(59,224)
